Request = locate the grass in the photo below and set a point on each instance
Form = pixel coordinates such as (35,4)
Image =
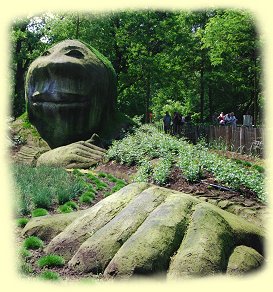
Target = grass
(33,242)
(65,209)
(49,275)
(22,222)
(43,186)
(25,253)
(51,260)
(39,212)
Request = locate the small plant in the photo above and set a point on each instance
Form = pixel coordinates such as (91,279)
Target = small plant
(25,253)
(33,242)
(51,260)
(87,197)
(65,209)
(26,268)
(102,174)
(72,204)
(22,222)
(49,275)
(39,212)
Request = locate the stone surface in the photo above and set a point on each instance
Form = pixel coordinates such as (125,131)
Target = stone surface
(148,230)
(244,260)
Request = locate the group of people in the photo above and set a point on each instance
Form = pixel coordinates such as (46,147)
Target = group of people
(174,124)
(227,120)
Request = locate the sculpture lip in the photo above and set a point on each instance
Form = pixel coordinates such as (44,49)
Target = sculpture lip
(58,97)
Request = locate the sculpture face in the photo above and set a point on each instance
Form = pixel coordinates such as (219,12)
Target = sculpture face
(69,92)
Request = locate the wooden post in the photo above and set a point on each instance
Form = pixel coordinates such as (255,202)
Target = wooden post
(228,137)
(242,139)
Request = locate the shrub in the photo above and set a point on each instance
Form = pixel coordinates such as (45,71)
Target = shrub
(22,222)
(33,242)
(72,204)
(39,212)
(26,268)
(49,275)
(65,209)
(25,253)
(87,197)
(51,260)
(102,174)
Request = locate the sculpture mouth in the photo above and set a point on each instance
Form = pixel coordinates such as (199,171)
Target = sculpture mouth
(58,98)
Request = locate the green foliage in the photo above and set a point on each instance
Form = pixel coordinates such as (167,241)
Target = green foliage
(26,269)
(49,275)
(51,260)
(42,186)
(87,197)
(147,143)
(39,212)
(72,205)
(22,222)
(65,209)
(161,170)
(25,253)
(33,242)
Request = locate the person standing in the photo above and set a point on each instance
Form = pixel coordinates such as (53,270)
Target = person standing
(167,123)
(221,119)
(233,119)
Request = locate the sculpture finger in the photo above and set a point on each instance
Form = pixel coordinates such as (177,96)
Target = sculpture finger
(92,146)
(194,256)
(149,249)
(87,149)
(98,250)
(68,241)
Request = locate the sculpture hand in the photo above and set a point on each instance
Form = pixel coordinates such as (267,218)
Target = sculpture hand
(80,154)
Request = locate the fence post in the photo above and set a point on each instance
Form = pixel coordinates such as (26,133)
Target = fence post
(228,137)
(242,139)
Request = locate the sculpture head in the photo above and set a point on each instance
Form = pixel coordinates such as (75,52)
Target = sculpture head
(70,93)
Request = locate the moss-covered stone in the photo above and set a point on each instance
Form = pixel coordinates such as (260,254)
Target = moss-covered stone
(145,230)
(150,248)
(97,251)
(47,227)
(70,92)
(243,260)
(68,242)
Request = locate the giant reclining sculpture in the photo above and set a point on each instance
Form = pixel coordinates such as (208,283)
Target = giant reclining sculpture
(71,95)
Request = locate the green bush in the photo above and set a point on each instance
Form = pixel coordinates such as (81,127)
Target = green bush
(87,197)
(49,275)
(26,269)
(72,205)
(22,222)
(33,242)
(25,253)
(65,209)
(39,212)
(51,260)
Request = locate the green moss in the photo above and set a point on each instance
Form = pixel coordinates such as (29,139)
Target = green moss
(39,212)
(33,242)
(51,260)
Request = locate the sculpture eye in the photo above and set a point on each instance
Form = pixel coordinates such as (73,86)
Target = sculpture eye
(46,53)
(75,54)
